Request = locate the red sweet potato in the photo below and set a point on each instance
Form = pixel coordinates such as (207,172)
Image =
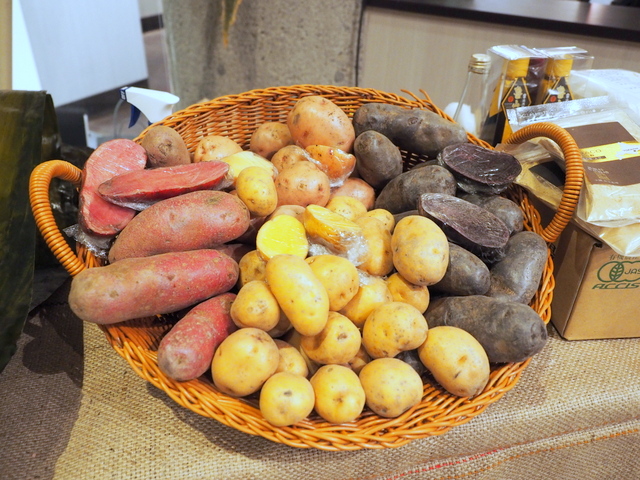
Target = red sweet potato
(141,287)
(191,221)
(186,351)
(96,216)
(141,188)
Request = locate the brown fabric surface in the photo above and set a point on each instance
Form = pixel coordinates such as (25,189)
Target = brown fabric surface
(71,408)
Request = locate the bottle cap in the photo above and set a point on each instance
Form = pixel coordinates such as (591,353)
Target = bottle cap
(479,63)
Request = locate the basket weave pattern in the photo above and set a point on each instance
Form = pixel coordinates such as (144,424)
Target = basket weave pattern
(237,116)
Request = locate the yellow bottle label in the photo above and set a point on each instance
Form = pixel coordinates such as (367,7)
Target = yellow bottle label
(611,152)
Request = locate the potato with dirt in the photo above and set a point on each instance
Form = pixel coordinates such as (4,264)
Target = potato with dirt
(192,221)
(422,132)
(165,147)
(508,331)
(268,138)
(141,287)
(316,120)
(186,351)
(466,274)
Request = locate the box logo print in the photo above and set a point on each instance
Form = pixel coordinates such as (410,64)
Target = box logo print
(619,275)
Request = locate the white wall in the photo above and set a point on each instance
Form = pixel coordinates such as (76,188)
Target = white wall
(75,49)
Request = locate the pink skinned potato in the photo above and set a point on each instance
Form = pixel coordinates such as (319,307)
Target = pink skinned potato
(186,351)
(192,221)
(141,287)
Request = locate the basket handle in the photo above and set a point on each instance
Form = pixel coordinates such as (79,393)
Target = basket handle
(39,183)
(573,177)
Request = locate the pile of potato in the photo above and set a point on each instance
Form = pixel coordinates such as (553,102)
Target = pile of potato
(313,273)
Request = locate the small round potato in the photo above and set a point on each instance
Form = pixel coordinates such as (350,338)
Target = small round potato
(286,398)
(256,188)
(456,360)
(404,291)
(270,137)
(244,361)
(291,360)
(252,266)
(338,275)
(349,207)
(289,155)
(391,386)
(420,250)
(215,147)
(373,291)
(358,189)
(337,343)
(296,211)
(360,360)
(392,328)
(255,306)
(379,258)
(340,397)
(303,184)
(385,216)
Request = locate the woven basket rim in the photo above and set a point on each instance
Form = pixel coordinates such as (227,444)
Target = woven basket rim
(436,414)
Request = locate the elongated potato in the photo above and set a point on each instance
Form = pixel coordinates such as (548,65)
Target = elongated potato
(339,277)
(466,274)
(300,294)
(140,287)
(191,221)
(186,351)
(420,250)
(508,331)
(256,188)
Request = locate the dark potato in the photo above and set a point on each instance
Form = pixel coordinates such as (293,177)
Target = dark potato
(506,210)
(378,159)
(465,275)
(508,331)
(422,132)
(403,192)
(517,276)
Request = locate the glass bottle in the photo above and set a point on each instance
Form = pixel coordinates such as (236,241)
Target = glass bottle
(472,107)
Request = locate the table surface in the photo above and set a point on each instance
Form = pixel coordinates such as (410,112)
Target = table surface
(70,404)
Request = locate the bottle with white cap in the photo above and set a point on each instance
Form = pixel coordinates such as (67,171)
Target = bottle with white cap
(472,107)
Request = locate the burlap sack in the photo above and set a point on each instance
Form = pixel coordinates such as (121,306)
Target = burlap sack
(73,409)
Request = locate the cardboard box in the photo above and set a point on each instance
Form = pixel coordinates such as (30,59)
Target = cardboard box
(597,293)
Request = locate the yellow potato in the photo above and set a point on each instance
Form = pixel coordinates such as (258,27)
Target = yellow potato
(456,360)
(255,306)
(251,266)
(403,291)
(289,155)
(283,234)
(340,397)
(373,291)
(241,160)
(378,260)
(360,360)
(339,277)
(270,137)
(286,399)
(385,216)
(300,294)
(349,207)
(296,211)
(316,120)
(282,327)
(244,361)
(420,250)
(338,342)
(256,188)
(391,386)
(392,328)
(294,339)
(215,147)
(291,360)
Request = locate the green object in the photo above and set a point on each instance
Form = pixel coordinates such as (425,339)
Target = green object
(28,135)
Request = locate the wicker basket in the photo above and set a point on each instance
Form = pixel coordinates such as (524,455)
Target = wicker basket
(237,116)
